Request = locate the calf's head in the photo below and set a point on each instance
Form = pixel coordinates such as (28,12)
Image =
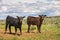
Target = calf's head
(42,16)
(20,18)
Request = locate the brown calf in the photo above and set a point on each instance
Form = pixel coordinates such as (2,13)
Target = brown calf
(35,21)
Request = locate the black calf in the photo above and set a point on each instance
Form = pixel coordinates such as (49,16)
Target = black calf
(16,22)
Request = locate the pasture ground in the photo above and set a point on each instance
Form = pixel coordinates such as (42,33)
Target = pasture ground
(48,32)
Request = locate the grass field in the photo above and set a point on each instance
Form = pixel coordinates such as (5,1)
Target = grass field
(48,32)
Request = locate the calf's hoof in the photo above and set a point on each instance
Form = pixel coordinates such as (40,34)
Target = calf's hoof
(28,32)
(39,32)
(10,33)
(4,32)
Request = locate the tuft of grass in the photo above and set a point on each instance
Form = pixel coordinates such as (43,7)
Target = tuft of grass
(1,38)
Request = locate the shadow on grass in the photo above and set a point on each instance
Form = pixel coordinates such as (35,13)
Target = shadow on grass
(14,34)
(33,32)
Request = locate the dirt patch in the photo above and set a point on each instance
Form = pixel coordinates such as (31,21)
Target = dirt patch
(4,35)
(24,33)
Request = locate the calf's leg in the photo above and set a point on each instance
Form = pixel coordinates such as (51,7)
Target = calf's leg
(6,28)
(10,28)
(15,30)
(28,28)
(38,28)
(20,30)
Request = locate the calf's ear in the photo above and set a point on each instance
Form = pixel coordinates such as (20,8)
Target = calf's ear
(45,15)
(17,17)
(39,15)
(23,16)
